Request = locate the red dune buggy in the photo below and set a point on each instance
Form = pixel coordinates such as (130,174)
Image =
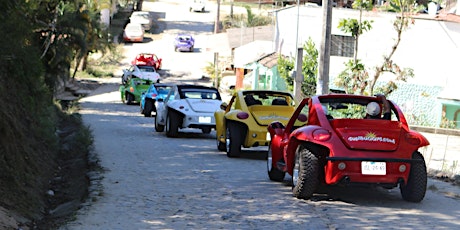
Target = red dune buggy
(337,144)
(148,59)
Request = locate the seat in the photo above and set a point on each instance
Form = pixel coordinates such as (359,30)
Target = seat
(250,100)
(279,101)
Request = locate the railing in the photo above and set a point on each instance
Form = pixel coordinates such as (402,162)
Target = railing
(442,156)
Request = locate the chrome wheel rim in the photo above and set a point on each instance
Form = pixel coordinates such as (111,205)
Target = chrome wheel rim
(227,139)
(295,172)
(269,159)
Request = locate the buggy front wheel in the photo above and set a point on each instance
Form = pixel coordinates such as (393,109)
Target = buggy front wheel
(305,178)
(273,173)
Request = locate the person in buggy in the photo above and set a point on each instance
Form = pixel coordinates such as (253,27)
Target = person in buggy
(373,109)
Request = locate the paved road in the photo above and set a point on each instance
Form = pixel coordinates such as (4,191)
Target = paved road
(154,182)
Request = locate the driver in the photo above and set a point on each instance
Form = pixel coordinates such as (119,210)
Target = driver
(373,109)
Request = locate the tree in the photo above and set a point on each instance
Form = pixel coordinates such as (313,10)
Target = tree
(247,20)
(355,77)
(309,69)
(66,31)
(357,27)
(92,36)
(405,9)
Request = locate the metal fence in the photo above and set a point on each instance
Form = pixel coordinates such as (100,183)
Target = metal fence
(442,156)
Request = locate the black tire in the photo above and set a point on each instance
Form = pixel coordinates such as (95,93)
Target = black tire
(206,130)
(123,98)
(148,108)
(191,49)
(234,139)
(221,146)
(172,124)
(158,127)
(305,178)
(129,98)
(273,173)
(415,189)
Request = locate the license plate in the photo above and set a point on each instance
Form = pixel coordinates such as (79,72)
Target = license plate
(373,168)
(204,119)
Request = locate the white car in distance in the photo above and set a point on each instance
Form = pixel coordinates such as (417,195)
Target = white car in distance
(197,5)
(143,18)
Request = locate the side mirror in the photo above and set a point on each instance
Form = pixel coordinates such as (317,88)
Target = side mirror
(223,106)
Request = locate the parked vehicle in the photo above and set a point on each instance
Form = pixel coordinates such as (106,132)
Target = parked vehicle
(148,98)
(187,106)
(140,71)
(184,42)
(143,18)
(197,5)
(337,145)
(132,90)
(133,32)
(148,59)
(243,122)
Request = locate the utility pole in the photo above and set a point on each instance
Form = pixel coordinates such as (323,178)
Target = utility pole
(298,76)
(216,54)
(216,69)
(231,9)
(322,85)
(217,22)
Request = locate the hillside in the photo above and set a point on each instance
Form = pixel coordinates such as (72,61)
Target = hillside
(43,160)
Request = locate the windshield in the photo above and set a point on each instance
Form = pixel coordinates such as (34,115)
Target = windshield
(146,69)
(163,89)
(199,94)
(267,98)
(350,109)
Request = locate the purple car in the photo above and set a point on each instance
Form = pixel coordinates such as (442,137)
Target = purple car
(184,42)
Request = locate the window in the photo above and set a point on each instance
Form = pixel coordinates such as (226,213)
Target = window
(199,94)
(343,46)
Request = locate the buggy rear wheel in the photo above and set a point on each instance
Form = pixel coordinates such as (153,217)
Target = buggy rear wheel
(273,173)
(415,188)
(129,98)
(148,107)
(221,146)
(233,139)
(172,124)
(158,126)
(305,178)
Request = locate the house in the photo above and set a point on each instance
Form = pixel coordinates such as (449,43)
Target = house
(245,46)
